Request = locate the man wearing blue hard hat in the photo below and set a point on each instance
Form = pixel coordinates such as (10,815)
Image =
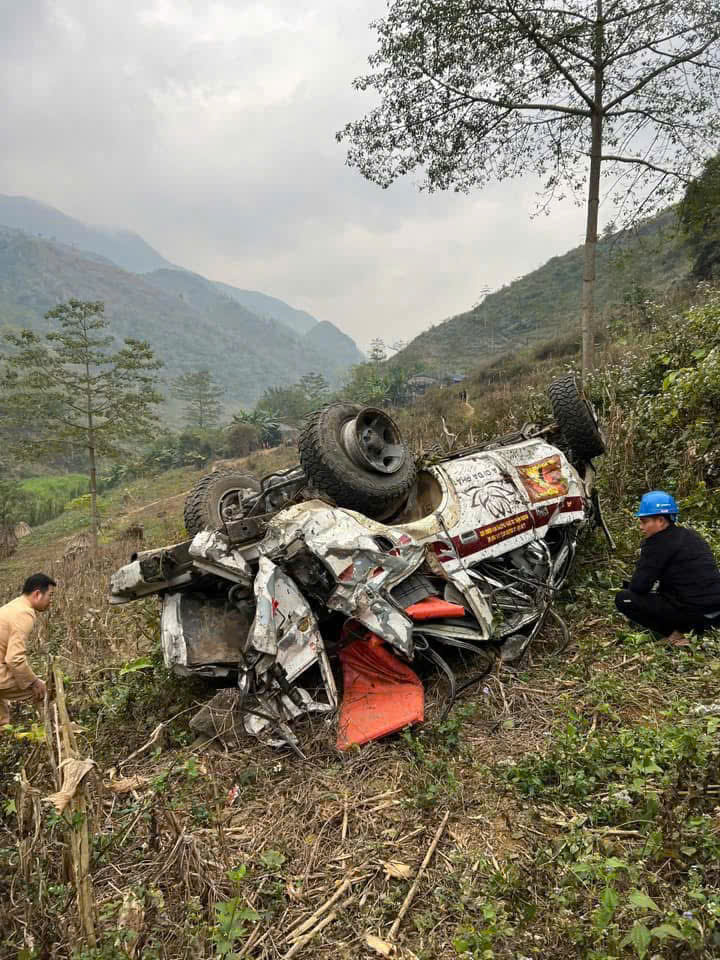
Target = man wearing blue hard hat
(676,583)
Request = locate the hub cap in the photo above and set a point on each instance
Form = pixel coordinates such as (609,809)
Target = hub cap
(373,440)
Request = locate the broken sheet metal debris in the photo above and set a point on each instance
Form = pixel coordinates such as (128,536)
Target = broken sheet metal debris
(356,564)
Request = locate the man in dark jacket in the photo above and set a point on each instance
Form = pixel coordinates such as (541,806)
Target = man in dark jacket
(680,565)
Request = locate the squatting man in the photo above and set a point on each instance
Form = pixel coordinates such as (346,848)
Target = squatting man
(17,619)
(683,567)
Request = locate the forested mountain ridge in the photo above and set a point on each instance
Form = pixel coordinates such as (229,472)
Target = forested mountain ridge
(129,251)
(122,247)
(187,320)
(545,303)
(266,306)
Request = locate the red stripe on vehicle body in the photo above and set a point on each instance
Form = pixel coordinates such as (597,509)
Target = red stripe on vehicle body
(473,541)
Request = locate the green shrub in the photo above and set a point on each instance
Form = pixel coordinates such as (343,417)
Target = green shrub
(48,496)
(661,402)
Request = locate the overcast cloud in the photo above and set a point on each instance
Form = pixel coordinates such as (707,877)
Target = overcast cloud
(208,127)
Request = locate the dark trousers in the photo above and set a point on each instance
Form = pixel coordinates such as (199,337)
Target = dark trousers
(657,613)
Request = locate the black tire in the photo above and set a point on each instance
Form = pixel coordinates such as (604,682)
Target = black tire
(202,504)
(576,419)
(330,469)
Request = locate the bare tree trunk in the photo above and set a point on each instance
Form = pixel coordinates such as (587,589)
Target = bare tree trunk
(94,520)
(593,204)
(94,524)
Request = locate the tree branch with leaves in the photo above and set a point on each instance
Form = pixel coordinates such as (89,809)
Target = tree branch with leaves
(476,91)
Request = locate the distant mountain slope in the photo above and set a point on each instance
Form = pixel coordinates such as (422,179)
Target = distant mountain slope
(544,303)
(122,247)
(326,337)
(129,251)
(265,306)
(187,321)
(329,349)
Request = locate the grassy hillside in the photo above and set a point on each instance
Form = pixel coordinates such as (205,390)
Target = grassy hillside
(188,322)
(545,304)
(580,785)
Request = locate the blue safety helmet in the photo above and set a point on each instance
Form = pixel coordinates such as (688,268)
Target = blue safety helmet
(657,503)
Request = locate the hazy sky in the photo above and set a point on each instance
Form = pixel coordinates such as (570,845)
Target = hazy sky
(208,127)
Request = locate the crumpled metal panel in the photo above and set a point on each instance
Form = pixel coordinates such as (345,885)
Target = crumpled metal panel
(171,632)
(363,569)
(285,628)
(211,550)
(476,600)
(207,634)
(283,710)
(272,590)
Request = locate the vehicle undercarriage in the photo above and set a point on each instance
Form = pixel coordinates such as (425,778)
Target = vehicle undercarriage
(358,564)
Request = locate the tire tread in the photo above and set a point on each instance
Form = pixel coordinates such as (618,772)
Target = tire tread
(196,513)
(347,484)
(576,423)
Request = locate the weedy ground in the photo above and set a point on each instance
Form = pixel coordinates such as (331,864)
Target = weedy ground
(582,786)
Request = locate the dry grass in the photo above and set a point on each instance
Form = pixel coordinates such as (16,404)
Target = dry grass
(206,826)
(199,813)
(299,828)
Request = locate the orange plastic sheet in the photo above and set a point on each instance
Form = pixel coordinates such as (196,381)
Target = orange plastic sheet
(381,693)
(433,608)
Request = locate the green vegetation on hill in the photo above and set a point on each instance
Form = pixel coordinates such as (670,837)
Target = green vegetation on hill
(265,306)
(545,304)
(47,496)
(121,247)
(130,252)
(581,783)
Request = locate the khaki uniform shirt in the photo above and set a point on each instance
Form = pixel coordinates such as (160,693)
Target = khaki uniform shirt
(17,619)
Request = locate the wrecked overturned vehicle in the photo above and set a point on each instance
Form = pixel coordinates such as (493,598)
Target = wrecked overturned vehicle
(356,563)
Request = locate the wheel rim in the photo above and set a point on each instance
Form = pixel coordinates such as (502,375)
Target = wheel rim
(230,504)
(373,440)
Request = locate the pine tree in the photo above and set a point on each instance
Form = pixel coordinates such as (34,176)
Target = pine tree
(202,396)
(68,389)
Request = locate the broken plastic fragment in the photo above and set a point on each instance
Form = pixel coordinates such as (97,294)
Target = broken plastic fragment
(382,694)
(433,608)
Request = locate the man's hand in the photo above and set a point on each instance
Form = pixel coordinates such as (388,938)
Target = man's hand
(38,689)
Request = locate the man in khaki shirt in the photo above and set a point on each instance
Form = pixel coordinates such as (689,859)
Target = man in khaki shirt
(17,618)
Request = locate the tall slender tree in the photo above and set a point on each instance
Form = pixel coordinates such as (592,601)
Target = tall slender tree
(378,351)
(70,389)
(316,390)
(473,91)
(202,396)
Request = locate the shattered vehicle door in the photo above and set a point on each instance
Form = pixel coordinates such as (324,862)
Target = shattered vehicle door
(365,559)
